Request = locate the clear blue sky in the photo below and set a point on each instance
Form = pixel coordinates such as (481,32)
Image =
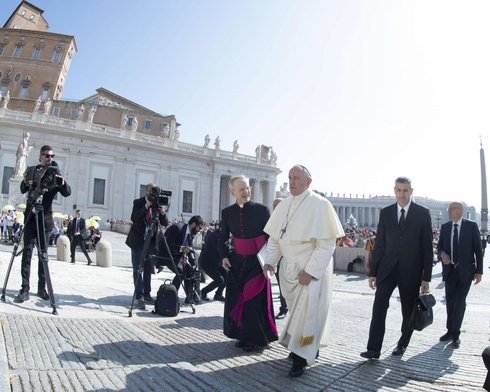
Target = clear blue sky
(360,92)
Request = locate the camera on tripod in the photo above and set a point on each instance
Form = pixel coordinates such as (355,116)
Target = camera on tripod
(44,177)
(158,197)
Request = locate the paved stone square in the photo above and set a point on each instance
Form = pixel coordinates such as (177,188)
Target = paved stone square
(92,344)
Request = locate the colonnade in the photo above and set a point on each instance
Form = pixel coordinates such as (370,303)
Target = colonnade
(365,216)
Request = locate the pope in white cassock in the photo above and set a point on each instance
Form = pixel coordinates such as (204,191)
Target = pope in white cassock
(303,230)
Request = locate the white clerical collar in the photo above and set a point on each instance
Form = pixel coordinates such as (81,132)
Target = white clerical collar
(241,205)
(300,196)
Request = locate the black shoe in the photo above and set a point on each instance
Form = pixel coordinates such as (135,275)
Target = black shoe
(370,354)
(204,297)
(149,300)
(399,350)
(22,296)
(250,347)
(297,371)
(299,366)
(446,337)
(89,262)
(281,315)
(73,261)
(140,304)
(219,298)
(43,294)
(456,343)
(240,343)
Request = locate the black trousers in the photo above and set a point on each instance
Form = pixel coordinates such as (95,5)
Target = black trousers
(218,274)
(384,290)
(142,283)
(77,240)
(30,240)
(456,293)
(486,360)
(284,305)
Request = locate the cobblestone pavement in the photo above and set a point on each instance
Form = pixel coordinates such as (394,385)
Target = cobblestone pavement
(93,345)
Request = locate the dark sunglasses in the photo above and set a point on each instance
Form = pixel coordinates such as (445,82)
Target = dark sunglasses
(49,155)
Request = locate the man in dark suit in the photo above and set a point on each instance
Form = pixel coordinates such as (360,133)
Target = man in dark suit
(141,217)
(210,263)
(30,229)
(75,232)
(179,238)
(461,253)
(402,256)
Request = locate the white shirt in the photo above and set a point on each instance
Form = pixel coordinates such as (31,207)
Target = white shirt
(405,208)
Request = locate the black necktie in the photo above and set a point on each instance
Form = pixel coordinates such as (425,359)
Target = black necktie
(77,226)
(402,219)
(455,245)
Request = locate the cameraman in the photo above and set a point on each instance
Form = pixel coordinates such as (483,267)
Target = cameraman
(30,230)
(179,238)
(141,218)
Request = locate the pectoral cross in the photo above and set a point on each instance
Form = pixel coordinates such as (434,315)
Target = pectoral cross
(283,231)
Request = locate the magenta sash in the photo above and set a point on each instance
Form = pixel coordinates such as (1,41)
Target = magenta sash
(253,287)
(248,246)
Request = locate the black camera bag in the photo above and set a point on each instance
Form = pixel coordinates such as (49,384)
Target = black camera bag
(167,301)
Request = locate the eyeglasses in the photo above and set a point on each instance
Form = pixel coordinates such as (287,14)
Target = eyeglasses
(49,155)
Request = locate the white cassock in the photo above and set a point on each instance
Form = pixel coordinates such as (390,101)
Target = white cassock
(303,230)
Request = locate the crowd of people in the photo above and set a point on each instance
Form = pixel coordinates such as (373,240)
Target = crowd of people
(10,226)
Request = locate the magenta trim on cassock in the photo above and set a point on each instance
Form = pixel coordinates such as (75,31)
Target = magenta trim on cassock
(248,246)
(251,289)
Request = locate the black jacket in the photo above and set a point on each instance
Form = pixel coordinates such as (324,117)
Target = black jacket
(47,201)
(410,248)
(136,235)
(470,251)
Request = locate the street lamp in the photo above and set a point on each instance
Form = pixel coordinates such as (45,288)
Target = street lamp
(438,217)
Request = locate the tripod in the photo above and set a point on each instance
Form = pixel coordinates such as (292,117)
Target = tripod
(36,198)
(150,233)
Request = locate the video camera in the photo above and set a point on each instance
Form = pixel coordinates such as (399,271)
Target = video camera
(159,198)
(44,177)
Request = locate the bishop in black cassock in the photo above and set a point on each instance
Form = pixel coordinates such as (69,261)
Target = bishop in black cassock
(249,314)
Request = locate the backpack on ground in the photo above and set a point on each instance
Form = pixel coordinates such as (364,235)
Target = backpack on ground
(167,301)
(350,266)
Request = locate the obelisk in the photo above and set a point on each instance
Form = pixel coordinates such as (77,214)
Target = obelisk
(484,204)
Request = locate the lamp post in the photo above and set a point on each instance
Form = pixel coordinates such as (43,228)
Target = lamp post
(438,217)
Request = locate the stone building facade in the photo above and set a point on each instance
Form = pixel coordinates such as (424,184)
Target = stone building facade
(108,147)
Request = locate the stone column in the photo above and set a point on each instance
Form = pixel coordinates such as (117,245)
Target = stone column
(342,215)
(368,216)
(271,194)
(215,196)
(256,194)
